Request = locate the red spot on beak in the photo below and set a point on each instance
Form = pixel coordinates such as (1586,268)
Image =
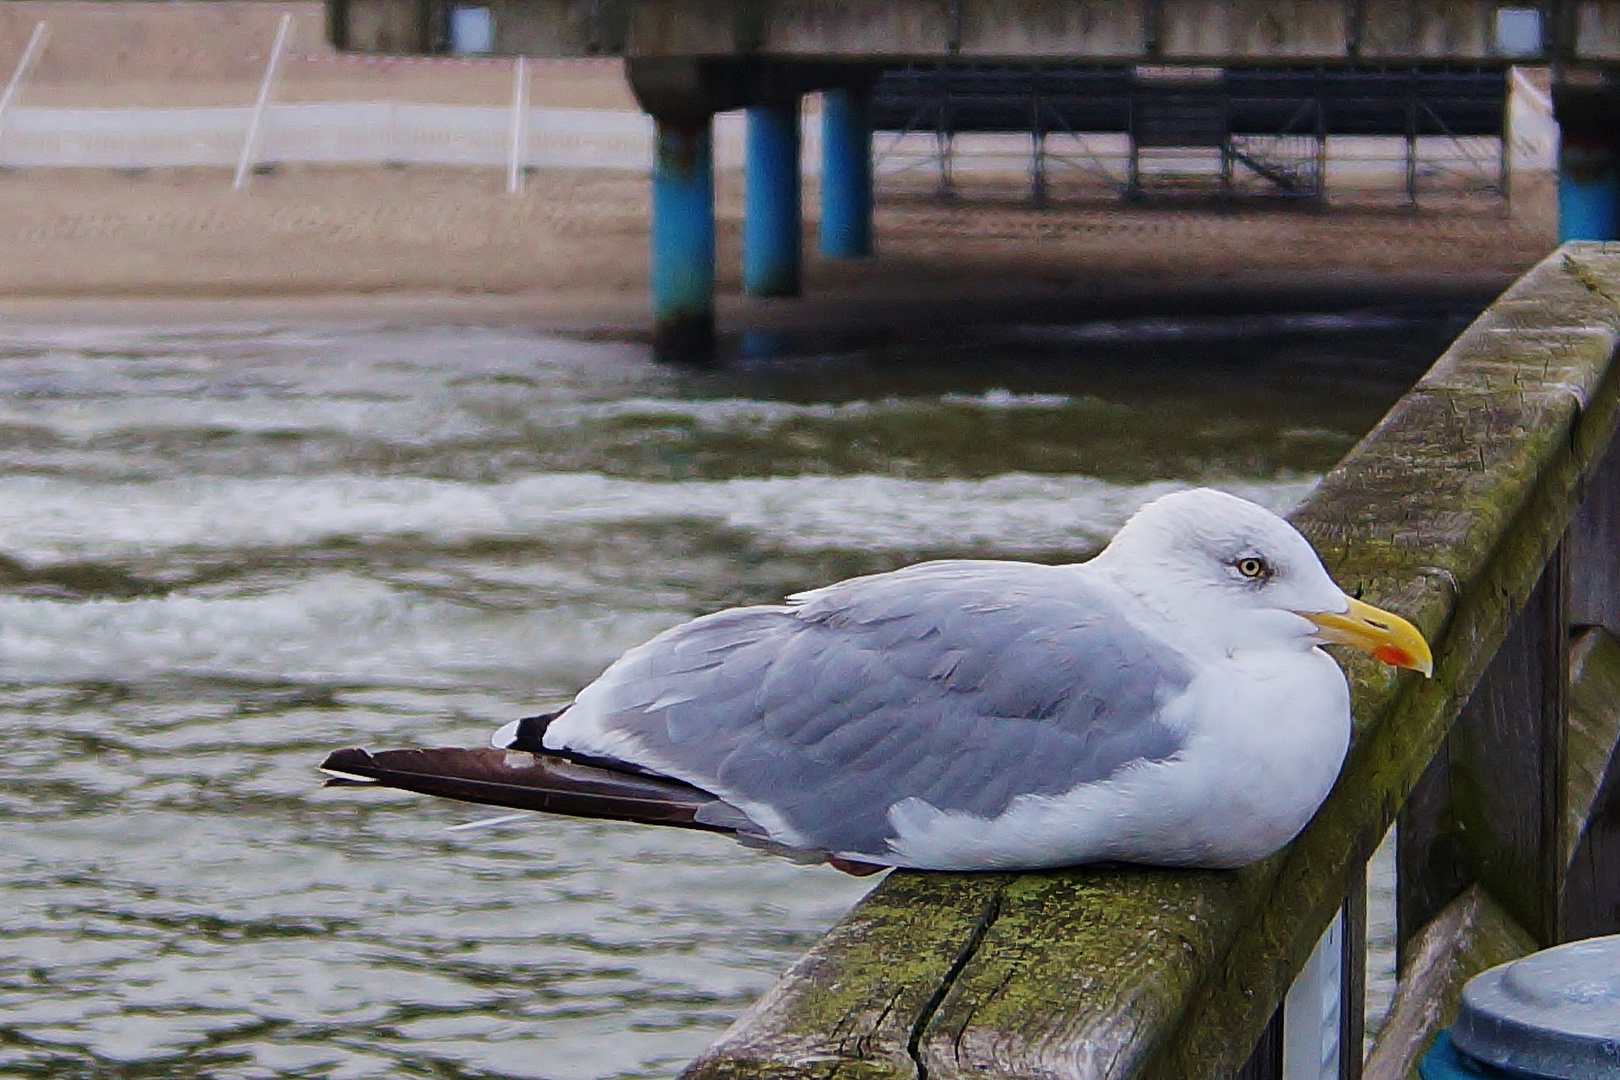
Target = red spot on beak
(1392,655)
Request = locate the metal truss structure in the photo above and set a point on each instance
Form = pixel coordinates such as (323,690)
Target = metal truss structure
(1230,132)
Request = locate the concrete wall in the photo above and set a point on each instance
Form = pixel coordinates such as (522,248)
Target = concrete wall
(1203,31)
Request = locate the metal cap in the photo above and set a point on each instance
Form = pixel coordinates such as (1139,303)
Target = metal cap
(1553,1014)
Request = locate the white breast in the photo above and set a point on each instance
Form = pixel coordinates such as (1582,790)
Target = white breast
(1267,735)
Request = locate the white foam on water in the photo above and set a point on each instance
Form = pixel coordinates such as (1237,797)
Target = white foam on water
(726,413)
(47,521)
(450,416)
(330,628)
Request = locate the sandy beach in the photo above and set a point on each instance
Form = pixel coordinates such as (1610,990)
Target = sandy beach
(572,248)
(570,251)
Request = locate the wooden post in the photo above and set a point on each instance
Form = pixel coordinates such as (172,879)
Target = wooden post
(1591,812)
(1266,1060)
(1591,901)
(1488,808)
(1353,979)
(1594,549)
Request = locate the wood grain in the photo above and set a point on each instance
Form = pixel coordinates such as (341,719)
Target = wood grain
(1492,800)
(848,1009)
(1592,810)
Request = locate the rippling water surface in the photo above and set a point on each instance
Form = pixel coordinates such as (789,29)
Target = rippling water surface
(225,551)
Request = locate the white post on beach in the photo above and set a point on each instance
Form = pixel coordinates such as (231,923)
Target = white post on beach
(520,123)
(250,144)
(36,42)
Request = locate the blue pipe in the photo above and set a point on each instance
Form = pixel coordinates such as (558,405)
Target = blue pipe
(846,175)
(683,242)
(1588,188)
(771,217)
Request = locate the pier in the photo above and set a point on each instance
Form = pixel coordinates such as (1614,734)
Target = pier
(690,59)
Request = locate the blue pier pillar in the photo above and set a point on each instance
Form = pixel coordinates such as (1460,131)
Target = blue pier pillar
(683,241)
(1588,191)
(846,174)
(1588,164)
(772,248)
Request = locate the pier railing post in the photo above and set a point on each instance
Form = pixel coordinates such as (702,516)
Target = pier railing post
(1524,795)
(1353,978)
(1316,1032)
(1488,808)
(1590,904)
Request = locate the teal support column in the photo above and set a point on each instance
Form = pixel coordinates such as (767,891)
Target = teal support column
(1588,191)
(772,220)
(683,241)
(846,174)
(1588,164)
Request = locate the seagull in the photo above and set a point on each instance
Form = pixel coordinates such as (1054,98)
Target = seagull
(1167,702)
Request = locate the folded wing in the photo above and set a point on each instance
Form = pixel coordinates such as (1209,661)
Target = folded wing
(962,684)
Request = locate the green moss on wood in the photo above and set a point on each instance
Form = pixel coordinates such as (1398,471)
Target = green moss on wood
(1125,941)
(848,1008)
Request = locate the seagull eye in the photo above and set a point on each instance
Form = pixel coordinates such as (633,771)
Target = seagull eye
(1252,568)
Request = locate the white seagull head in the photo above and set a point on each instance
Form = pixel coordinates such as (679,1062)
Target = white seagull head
(1247,579)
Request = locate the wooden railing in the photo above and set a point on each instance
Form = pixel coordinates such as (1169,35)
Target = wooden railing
(1486,507)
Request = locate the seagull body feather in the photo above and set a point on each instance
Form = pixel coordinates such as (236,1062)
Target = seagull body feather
(1166,702)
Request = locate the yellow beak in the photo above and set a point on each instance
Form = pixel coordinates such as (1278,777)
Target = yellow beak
(1387,636)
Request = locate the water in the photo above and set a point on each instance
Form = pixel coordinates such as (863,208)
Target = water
(225,551)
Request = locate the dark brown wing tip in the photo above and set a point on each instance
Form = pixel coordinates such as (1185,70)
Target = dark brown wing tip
(349,768)
(347,759)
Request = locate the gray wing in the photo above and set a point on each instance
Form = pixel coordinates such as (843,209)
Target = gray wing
(965,684)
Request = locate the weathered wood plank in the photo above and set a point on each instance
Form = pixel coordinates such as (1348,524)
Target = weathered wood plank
(1591,902)
(1074,971)
(1266,1059)
(1594,549)
(1353,980)
(1594,724)
(1471,934)
(1491,808)
(848,1008)
(1592,809)
(1447,512)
